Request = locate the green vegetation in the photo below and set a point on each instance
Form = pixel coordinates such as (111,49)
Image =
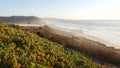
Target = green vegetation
(98,51)
(22,49)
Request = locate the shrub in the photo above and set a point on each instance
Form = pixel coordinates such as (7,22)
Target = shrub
(19,49)
(91,48)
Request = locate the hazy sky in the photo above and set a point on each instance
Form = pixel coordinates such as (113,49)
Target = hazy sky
(68,9)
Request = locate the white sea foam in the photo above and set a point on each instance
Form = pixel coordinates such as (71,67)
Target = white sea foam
(108,31)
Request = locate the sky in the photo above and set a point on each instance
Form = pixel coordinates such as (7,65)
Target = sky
(65,9)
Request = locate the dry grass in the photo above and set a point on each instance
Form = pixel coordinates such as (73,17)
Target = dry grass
(91,48)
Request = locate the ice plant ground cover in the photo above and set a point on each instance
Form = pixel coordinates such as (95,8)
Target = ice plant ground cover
(22,49)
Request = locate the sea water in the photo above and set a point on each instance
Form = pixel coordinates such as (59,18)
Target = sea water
(107,30)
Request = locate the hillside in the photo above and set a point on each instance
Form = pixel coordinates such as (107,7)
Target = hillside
(22,49)
(106,57)
(22,20)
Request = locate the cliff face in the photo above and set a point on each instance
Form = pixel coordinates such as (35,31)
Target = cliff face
(22,20)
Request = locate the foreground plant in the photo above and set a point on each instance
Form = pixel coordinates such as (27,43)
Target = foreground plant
(22,49)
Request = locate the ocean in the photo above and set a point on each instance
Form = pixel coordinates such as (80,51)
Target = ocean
(106,30)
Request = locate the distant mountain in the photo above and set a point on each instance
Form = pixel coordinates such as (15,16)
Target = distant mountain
(22,20)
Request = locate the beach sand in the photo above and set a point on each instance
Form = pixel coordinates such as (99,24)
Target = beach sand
(80,35)
(91,46)
(75,34)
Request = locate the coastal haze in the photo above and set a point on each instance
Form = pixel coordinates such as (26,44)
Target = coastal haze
(107,30)
(23,20)
(60,34)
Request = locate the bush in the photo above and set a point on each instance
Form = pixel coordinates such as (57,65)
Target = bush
(91,48)
(22,49)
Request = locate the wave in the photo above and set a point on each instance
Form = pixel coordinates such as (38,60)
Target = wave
(105,31)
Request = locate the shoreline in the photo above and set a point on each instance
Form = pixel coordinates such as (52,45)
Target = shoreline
(78,34)
(97,51)
(74,33)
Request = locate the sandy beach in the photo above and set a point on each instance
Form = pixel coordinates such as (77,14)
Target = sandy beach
(79,34)
(99,50)
(75,34)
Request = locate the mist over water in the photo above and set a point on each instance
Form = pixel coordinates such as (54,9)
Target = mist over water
(107,30)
